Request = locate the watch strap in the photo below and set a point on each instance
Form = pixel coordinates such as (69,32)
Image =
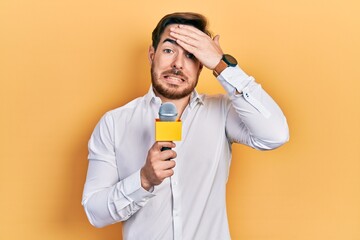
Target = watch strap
(222,65)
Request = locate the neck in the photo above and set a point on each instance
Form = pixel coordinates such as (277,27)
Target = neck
(179,103)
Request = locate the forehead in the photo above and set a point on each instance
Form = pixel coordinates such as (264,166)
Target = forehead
(166,33)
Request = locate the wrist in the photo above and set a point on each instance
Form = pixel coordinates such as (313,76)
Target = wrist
(216,62)
(226,61)
(144,182)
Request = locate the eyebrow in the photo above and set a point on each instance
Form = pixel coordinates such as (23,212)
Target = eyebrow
(170,41)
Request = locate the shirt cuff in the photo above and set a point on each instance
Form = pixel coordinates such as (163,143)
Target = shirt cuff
(235,77)
(134,190)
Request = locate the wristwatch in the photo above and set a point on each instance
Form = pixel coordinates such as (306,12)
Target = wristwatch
(226,61)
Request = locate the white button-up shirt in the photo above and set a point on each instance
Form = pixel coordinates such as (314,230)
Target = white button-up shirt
(191,204)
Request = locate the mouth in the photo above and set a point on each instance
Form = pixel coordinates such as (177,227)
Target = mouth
(174,79)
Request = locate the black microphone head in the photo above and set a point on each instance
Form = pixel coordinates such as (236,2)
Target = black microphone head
(168,112)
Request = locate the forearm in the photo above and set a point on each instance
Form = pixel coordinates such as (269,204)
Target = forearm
(265,123)
(107,205)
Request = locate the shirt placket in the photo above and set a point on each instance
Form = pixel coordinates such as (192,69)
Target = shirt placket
(176,190)
(176,206)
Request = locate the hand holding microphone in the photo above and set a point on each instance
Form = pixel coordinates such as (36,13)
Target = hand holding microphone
(156,167)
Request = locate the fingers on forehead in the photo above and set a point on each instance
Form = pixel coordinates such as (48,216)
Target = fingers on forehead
(190,29)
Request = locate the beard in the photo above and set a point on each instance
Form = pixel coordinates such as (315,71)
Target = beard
(172,91)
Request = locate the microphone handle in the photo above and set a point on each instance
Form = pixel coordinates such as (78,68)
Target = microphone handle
(164,149)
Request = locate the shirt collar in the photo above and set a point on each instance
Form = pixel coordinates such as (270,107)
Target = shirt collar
(150,97)
(195,98)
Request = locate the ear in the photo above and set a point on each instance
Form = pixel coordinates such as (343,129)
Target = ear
(151,54)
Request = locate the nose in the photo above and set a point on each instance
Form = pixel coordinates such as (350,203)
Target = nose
(178,61)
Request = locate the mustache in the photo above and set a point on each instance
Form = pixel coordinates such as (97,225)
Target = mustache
(176,72)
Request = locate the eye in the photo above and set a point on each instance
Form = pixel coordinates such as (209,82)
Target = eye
(166,50)
(190,55)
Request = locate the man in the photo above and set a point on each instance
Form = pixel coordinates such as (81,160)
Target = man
(131,180)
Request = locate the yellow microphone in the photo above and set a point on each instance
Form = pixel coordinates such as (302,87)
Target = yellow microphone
(167,126)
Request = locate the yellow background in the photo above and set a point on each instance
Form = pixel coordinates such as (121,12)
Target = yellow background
(64,63)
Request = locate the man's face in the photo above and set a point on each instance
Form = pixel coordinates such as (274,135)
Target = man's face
(174,71)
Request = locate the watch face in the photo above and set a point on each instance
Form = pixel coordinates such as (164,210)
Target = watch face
(230,60)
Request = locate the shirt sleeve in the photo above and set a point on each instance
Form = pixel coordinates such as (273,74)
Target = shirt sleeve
(106,198)
(254,118)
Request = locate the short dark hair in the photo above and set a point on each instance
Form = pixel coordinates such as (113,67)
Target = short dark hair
(187,18)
